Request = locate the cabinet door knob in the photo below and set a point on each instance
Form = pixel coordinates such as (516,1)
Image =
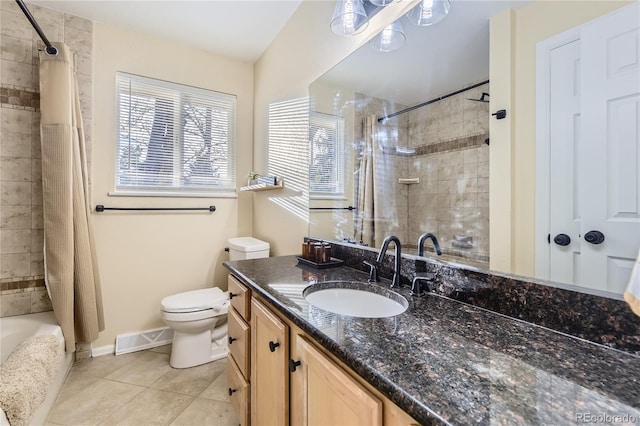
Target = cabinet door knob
(293,364)
(594,237)
(232,339)
(231,391)
(232,295)
(273,346)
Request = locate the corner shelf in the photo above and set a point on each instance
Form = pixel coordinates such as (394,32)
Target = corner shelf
(262,187)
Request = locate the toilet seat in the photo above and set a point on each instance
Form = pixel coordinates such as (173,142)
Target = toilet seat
(208,299)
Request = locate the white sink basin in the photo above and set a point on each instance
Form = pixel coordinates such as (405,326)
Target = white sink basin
(355,299)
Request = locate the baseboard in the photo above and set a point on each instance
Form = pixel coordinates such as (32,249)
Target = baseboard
(103,350)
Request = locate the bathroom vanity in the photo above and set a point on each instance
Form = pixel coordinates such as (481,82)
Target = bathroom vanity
(441,361)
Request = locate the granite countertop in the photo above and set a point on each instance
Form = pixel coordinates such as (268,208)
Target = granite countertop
(446,362)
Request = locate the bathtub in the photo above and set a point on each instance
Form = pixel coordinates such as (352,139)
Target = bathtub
(14,330)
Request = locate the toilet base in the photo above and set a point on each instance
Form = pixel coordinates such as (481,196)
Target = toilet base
(190,350)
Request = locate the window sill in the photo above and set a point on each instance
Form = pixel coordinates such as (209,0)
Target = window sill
(328,197)
(173,194)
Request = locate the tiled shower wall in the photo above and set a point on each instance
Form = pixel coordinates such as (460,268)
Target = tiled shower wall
(442,144)
(452,162)
(21,225)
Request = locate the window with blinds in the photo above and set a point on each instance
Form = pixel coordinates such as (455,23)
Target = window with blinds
(326,169)
(174,138)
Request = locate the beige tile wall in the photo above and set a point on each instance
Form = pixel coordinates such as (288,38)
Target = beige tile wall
(21,223)
(452,162)
(453,196)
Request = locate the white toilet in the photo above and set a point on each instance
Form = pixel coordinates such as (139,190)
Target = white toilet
(199,317)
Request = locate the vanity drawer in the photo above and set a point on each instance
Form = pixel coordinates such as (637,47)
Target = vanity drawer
(239,342)
(239,393)
(240,297)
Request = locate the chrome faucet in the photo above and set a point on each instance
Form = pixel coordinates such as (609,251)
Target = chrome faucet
(396,268)
(433,239)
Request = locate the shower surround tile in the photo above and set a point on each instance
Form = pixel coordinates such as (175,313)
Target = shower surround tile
(16,49)
(21,178)
(15,169)
(17,74)
(15,193)
(17,145)
(15,241)
(15,217)
(15,304)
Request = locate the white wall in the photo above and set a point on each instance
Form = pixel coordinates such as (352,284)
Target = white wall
(144,257)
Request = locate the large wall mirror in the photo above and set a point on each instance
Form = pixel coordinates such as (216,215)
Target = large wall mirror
(400,144)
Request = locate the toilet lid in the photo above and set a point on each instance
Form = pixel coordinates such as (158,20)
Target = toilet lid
(196,300)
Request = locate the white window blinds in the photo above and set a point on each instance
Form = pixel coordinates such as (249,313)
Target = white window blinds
(174,138)
(326,173)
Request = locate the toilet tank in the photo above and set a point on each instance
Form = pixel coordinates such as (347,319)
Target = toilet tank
(247,248)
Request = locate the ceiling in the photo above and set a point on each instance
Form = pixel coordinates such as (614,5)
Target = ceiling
(433,61)
(240,29)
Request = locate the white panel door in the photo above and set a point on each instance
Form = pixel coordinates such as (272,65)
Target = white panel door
(588,173)
(610,148)
(564,137)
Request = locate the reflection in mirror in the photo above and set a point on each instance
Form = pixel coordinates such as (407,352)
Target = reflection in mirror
(408,170)
(427,169)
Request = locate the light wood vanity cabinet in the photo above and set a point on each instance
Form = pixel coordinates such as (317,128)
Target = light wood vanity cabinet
(239,335)
(240,297)
(239,393)
(291,379)
(239,342)
(269,367)
(330,396)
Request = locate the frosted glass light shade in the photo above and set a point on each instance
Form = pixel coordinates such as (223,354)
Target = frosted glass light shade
(349,18)
(380,2)
(429,12)
(389,39)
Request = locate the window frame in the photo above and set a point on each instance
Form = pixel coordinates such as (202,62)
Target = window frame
(183,95)
(338,126)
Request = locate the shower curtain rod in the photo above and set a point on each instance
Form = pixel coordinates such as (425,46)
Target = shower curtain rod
(386,117)
(50,49)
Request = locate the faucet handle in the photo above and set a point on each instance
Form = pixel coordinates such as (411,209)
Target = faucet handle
(416,285)
(373,272)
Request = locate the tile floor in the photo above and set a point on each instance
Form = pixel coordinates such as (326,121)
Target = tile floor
(142,389)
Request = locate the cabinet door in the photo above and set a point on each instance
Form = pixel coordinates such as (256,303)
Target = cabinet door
(269,374)
(239,341)
(238,393)
(329,395)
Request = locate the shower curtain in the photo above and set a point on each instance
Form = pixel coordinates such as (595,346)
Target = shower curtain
(367,195)
(71,270)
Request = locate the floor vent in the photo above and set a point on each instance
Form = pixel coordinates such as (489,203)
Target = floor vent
(133,342)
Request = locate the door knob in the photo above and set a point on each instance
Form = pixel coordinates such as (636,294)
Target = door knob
(562,239)
(594,237)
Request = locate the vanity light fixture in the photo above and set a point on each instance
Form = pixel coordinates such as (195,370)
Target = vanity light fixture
(381,2)
(389,39)
(429,12)
(349,18)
